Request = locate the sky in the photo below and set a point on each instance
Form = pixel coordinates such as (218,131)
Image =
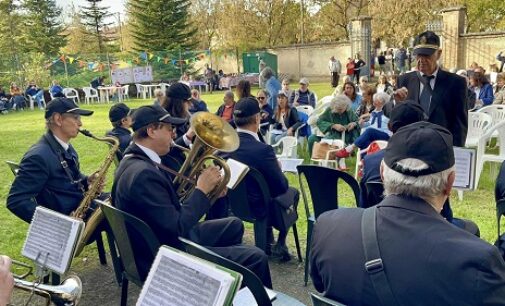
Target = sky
(114,5)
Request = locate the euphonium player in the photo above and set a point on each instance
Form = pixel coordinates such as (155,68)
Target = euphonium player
(49,172)
(144,189)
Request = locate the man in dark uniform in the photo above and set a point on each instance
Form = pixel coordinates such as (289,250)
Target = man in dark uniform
(49,172)
(425,260)
(143,188)
(261,157)
(120,117)
(444,100)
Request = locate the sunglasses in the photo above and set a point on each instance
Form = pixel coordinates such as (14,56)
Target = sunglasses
(261,98)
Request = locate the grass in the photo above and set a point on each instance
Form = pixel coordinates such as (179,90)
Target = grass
(20,130)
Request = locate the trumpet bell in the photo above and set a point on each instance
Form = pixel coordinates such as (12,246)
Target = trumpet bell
(215,132)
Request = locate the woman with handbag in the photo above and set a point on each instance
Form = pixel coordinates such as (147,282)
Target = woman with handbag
(285,120)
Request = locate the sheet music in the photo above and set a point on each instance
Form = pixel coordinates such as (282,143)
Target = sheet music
(289,164)
(464,163)
(53,236)
(177,279)
(245,297)
(237,172)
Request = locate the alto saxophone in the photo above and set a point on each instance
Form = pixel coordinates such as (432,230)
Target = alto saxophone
(95,217)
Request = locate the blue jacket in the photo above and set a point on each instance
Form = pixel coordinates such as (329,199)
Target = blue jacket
(41,180)
(261,157)
(197,106)
(32,90)
(56,91)
(272,86)
(486,94)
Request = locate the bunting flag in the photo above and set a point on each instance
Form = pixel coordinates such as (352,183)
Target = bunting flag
(165,60)
(151,56)
(71,59)
(143,56)
(91,66)
(62,58)
(81,64)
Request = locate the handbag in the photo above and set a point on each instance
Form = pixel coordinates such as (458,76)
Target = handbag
(285,209)
(320,149)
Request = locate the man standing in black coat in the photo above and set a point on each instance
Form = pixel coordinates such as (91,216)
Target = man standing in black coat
(441,94)
(143,187)
(423,259)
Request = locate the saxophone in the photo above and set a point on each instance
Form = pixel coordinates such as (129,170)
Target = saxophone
(94,217)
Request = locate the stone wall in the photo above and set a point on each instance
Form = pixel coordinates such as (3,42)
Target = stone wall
(481,48)
(309,61)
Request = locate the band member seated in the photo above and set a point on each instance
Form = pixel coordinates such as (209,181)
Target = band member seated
(143,188)
(415,257)
(261,157)
(49,172)
(120,117)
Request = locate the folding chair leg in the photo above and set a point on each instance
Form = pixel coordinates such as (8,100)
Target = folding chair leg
(310,225)
(101,250)
(297,243)
(260,234)
(116,261)
(124,291)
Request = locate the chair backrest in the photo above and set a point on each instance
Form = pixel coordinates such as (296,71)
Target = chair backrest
(322,182)
(306,109)
(126,89)
(70,92)
(497,112)
(250,280)
(478,123)
(122,225)
(374,193)
(304,130)
(13,166)
(90,92)
(289,144)
(239,203)
(318,300)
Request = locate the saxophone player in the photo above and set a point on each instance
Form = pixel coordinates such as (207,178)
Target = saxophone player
(49,173)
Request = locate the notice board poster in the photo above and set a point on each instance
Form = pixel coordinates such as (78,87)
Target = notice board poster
(132,75)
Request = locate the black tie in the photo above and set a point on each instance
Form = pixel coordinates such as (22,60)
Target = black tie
(425,97)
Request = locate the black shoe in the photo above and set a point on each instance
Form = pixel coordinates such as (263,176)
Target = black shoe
(281,252)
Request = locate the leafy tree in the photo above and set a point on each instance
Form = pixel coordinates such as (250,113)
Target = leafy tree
(45,27)
(94,19)
(78,38)
(10,45)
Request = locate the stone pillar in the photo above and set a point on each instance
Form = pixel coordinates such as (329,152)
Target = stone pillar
(453,25)
(360,32)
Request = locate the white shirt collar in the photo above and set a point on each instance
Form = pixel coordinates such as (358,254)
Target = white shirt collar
(150,153)
(62,143)
(255,135)
(433,74)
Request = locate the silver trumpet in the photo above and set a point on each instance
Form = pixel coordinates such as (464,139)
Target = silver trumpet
(67,294)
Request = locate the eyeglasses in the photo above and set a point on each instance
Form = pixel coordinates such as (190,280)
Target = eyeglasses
(261,98)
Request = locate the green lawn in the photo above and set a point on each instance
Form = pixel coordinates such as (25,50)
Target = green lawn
(20,130)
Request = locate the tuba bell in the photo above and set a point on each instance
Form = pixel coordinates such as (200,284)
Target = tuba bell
(213,134)
(68,293)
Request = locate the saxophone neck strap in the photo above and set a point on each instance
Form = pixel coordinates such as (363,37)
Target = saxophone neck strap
(58,150)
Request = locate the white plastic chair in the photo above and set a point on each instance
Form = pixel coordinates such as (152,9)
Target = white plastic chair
(90,94)
(71,93)
(141,91)
(320,108)
(478,124)
(164,86)
(381,143)
(307,109)
(482,156)
(289,145)
(125,92)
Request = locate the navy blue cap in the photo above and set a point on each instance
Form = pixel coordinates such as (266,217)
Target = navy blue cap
(65,105)
(426,43)
(148,114)
(246,107)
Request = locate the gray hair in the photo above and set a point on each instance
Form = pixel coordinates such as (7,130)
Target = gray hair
(424,186)
(229,94)
(267,72)
(264,92)
(382,97)
(340,101)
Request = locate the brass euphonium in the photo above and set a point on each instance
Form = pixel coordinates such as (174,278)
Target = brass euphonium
(95,217)
(212,134)
(67,294)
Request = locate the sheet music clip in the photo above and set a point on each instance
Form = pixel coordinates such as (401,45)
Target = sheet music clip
(41,270)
